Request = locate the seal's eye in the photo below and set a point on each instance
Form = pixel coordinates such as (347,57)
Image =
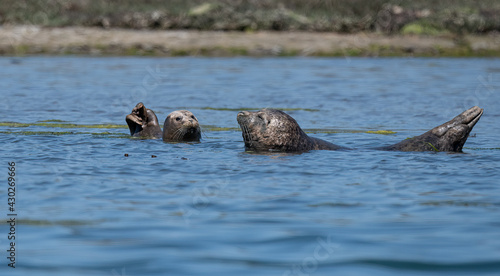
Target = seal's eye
(178,119)
(192,117)
(263,119)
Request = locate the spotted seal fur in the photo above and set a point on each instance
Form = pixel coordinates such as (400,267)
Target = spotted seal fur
(274,130)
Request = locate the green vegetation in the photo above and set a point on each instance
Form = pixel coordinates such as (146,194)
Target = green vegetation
(433,147)
(374,50)
(245,108)
(106,134)
(210,128)
(420,28)
(40,133)
(59,125)
(329,131)
(344,16)
(384,132)
(60,133)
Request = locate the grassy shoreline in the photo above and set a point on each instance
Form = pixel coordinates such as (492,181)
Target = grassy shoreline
(336,28)
(341,16)
(35,40)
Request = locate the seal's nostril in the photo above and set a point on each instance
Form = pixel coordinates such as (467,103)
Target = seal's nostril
(243,113)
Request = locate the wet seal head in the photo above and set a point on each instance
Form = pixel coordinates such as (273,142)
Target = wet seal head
(274,130)
(181,126)
(269,130)
(143,123)
(448,137)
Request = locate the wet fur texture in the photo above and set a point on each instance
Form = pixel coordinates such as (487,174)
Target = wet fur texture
(143,123)
(274,130)
(181,126)
(449,137)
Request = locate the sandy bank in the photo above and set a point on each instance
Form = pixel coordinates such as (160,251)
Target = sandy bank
(33,40)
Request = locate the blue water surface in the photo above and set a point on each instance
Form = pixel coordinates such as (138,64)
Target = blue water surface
(85,208)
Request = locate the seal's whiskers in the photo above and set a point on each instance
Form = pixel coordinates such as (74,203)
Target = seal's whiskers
(177,134)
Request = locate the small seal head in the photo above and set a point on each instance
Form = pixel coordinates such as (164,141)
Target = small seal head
(142,122)
(449,137)
(181,126)
(274,130)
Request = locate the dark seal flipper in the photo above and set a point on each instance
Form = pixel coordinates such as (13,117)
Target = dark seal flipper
(449,137)
(143,123)
(135,118)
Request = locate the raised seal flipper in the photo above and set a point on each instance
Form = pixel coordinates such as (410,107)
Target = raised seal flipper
(450,136)
(135,118)
(142,122)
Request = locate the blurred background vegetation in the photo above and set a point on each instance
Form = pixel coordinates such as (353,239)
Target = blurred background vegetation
(429,17)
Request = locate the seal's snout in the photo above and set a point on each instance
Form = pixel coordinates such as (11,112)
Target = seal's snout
(191,124)
(243,114)
(242,117)
(472,116)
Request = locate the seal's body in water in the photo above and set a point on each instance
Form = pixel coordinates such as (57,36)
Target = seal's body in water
(181,126)
(274,130)
(142,122)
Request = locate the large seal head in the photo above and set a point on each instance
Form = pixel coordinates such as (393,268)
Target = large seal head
(142,122)
(450,136)
(181,126)
(274,130)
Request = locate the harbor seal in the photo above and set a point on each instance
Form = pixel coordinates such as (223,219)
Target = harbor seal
(181,126)
(142,122)
(449,137)
(274,130)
